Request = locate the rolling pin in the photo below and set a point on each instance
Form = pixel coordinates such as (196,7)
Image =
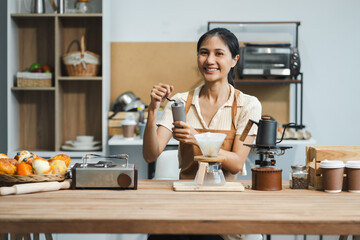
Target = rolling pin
(35,187)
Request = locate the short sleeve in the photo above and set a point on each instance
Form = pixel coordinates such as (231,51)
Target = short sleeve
(250,110)
(166,118)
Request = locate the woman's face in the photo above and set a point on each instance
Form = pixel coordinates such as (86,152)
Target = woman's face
(215,60)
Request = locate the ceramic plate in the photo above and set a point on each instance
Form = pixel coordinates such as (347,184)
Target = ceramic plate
(85,143)
(71,148)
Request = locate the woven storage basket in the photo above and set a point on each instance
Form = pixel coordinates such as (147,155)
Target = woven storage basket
(28,79)
(9,180)
(81,63)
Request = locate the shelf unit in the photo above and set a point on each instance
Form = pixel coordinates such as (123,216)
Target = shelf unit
(259,82)
(40,119)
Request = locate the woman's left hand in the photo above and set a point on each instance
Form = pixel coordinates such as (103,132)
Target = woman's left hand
(185,134)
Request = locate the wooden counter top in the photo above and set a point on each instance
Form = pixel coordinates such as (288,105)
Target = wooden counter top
(155,208)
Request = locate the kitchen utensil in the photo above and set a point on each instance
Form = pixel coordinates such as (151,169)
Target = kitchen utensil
(170,100)
(35,187)
(105,174)
(82,144)
(37,6)
(178,111)
(210,143)
(84,138)
(209,172)
(266,177)
(81,148)
(126,102)
(59,7)
(266,133)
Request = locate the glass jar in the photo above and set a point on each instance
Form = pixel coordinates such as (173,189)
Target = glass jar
(298,177)
(83,6)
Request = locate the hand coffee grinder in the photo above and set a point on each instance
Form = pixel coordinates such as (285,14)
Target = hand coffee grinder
(266,177)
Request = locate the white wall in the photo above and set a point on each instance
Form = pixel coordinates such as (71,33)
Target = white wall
(329,39)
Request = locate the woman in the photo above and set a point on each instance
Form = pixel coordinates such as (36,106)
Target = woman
(215,106)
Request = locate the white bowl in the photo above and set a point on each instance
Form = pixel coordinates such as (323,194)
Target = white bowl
(84,138)
(210,143)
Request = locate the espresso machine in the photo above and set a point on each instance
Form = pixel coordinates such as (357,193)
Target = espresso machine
(266,177)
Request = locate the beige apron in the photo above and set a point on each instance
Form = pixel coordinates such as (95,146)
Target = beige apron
(187,164)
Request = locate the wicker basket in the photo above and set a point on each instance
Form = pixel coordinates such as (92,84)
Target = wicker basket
(28,79)
(81,63)
(9,180)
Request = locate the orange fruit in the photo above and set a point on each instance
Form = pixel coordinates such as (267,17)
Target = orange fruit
(24,169)
(62,157)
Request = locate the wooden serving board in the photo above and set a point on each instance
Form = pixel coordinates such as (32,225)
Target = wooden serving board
(192,187)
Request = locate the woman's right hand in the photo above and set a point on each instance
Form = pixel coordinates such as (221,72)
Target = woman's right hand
(158,94)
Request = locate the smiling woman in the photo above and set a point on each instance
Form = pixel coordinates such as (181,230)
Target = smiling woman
(215,106)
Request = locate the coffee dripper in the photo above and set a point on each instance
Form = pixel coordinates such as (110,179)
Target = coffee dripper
(209,172)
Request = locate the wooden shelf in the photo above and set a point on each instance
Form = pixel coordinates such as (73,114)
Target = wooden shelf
(33,89)
(42,119)
(31,15)
(266,81)
(80,78)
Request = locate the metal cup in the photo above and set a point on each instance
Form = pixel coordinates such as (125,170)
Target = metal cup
(38,6)
(60,6)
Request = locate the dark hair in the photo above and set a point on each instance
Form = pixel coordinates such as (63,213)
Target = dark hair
(230,40)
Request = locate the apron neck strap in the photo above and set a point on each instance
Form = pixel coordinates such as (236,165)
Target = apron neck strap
(234,105)
(189,101)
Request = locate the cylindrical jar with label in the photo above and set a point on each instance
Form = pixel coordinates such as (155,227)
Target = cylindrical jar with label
(298,177)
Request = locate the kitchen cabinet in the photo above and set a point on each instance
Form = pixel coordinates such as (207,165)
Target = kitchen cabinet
(273,93)
(42,119)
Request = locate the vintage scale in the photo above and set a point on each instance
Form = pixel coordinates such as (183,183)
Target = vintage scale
(266,177)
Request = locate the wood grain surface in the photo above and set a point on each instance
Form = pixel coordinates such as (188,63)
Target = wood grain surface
(156,208)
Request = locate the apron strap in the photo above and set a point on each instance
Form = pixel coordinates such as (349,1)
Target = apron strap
(234,106)
(234,109)
(189,101)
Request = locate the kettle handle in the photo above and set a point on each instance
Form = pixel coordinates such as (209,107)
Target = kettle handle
(247,129)
(53,5)
(286,126)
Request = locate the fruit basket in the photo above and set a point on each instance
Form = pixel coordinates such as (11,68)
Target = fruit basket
(30,79)
(9,180)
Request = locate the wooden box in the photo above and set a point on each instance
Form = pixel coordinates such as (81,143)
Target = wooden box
(316,154)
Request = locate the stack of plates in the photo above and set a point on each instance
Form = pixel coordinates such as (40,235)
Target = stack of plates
(81,146)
